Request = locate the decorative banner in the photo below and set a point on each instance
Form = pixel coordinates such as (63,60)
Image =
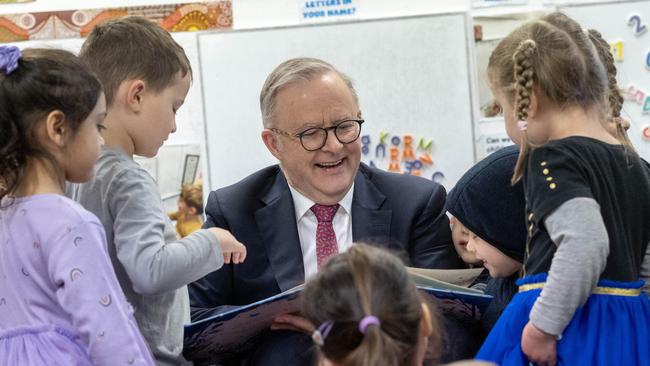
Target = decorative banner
(319,11)
(79,23)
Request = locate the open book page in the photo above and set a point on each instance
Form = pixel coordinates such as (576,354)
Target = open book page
(447,289)
(468,304)
(234,329)
(459,277)
(231,331)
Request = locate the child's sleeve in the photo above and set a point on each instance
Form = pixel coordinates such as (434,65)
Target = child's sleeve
(578,230)
(560,199)
(146,243)
(89,292)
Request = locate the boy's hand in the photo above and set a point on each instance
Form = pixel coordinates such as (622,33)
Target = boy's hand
(232,249)
(538,346)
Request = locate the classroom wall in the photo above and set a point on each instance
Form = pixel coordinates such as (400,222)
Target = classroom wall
(497,21)
(261,13)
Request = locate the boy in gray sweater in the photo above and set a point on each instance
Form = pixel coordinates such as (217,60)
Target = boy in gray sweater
(146,76)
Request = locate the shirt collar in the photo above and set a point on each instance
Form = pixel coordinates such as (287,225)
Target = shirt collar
(302,204)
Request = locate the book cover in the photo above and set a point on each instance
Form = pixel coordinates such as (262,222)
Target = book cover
(235,329)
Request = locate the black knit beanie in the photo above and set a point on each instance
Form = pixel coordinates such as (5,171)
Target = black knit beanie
(489,206)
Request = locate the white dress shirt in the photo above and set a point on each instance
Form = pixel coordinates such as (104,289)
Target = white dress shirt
(307,223)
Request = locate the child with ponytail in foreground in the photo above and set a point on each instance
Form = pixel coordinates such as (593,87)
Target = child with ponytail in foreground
(367,311)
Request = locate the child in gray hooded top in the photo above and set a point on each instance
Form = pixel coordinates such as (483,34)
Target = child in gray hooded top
(146,77)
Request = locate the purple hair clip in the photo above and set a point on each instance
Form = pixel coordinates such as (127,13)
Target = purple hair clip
(9,56)
(367,321)
(321,333)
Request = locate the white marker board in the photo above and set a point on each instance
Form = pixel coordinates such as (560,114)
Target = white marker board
(412,76)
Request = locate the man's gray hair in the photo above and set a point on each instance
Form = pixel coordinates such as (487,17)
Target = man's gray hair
(292,71)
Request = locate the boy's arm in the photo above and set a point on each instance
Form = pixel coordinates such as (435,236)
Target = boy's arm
(578,230)
(216,288)
(146,243)
(90,293)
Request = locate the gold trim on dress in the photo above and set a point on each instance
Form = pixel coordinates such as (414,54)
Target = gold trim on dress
(599,290)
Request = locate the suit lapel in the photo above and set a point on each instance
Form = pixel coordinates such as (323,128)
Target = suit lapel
(277,226)
(369,220)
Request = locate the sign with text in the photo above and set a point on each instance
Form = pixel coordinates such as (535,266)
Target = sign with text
(491,136)
(319,11)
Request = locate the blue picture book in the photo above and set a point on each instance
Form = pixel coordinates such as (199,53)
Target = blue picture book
(235,329)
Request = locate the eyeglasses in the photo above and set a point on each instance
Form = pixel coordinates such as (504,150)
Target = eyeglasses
(315,138)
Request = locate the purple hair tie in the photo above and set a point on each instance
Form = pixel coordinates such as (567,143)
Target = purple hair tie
(9,56)
(321,333)
(367,321)
(523,125)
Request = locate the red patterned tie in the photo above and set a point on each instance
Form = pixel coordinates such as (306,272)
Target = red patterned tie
(325,237)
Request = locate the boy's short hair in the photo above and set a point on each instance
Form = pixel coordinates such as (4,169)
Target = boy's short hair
(133,48)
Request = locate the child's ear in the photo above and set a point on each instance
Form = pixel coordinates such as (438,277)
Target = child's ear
(426,325)
(192,211)
(134,92)
(271,142)
(56,128)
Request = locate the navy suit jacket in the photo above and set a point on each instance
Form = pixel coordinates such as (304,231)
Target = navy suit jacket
(400,212)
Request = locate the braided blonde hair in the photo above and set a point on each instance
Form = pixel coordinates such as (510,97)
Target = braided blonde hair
(524,75)
(543,57)
(614,97)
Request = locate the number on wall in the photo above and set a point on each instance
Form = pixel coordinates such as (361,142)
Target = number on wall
(616,48)
(635,21)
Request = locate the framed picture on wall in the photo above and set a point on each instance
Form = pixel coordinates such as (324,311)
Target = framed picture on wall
(189,168)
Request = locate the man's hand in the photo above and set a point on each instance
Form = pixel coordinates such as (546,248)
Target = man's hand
(293,322)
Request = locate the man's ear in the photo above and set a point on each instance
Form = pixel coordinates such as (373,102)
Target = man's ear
(271,141)
(56,128)
(134,92)
(426,326)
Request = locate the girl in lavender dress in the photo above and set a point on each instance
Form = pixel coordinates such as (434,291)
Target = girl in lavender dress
(60,302)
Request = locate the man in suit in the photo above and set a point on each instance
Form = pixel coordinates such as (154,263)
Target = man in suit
(320,198)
